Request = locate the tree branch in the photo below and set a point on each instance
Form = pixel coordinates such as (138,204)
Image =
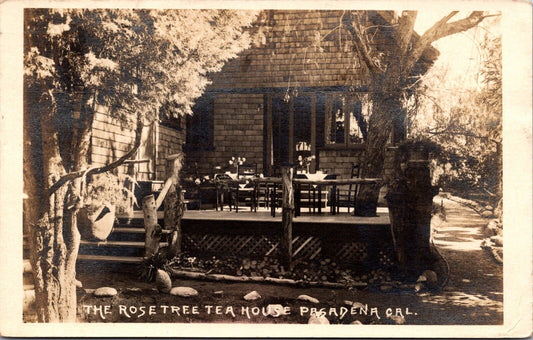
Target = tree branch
(361,47)
(404,32)
(441,29)
(447,131)
(73,175)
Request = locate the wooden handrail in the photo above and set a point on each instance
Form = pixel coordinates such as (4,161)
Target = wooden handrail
(135,161)
(150,207)
(163,193)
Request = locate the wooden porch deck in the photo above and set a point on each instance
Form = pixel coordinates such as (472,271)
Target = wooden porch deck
(263,216)
(308,218)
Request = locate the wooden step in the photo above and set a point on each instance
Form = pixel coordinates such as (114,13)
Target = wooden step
(114,259)
(133,244)
(139,215)
(134,230)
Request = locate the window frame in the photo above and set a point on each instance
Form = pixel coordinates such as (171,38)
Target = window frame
(328,116)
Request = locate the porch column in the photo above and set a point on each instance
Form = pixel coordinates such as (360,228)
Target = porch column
(286,219)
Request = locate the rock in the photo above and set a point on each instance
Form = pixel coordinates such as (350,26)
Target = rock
(252,296)
(428,278)
(354,304)
(406,286)
(105,292)
(399,320)
(356,322)
(315,319)
(492,228)
(183,291)
(487,214)
(163,281)
(498,210)
(219,293)
(78,284)
(276,310)
(311,299)
(488,207)
(497,240)
(386,288)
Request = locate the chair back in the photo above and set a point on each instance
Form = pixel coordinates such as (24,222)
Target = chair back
(356,171)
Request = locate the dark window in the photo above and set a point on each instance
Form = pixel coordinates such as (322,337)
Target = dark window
(280,130)
(200,125)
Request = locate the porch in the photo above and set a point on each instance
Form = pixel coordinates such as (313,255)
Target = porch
(344,238)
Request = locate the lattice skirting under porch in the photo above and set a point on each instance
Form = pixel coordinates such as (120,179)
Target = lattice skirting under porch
(304,247)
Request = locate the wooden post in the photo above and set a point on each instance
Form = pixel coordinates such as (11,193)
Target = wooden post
(286,219)
(173,204)
(152,229)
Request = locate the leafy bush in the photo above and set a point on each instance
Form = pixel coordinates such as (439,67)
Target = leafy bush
(109,188)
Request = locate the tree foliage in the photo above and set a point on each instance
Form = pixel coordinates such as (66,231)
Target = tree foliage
(467,123)
(131,61)
(393,75)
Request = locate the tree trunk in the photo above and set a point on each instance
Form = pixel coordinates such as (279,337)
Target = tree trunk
(51,256)
(55,236)
(385,108)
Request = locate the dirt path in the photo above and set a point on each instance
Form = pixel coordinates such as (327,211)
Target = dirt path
(475,285)
(473,294)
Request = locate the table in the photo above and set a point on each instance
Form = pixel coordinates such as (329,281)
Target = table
(235,186)
(333,183)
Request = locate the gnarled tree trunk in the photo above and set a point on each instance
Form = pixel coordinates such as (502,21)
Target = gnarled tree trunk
(55,238)
(55,290)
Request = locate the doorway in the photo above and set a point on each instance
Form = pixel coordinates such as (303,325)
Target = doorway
(291,131)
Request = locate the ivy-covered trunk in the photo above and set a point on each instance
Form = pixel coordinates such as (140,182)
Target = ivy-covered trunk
(386,109)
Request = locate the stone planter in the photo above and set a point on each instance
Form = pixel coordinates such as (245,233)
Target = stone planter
(397,204)
(95,224)
(410,207)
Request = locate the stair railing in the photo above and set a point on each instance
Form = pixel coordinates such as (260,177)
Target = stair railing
(173,211)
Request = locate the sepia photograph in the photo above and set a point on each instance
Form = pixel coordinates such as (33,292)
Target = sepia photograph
(289,166)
